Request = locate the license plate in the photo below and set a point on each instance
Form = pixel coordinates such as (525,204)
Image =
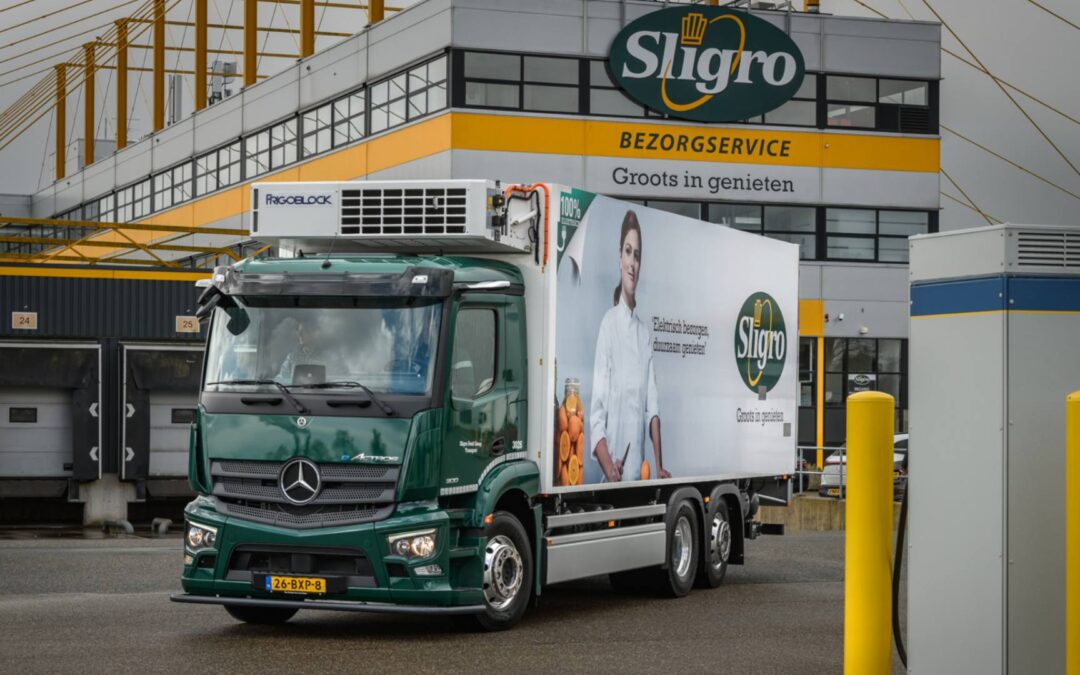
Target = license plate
(295,584)
(833,492)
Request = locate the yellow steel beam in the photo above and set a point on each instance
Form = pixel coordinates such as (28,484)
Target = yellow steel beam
(376,11)
(251,19)
(55,241)
(121,83)
(280,55)
(200,54)
(307,28)
(173,71)
(228,26)
(61,120)
(332,5)
(159,65)
(134,227)
(14,258)
(88,103)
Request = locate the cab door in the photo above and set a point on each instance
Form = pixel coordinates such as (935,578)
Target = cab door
(477,406)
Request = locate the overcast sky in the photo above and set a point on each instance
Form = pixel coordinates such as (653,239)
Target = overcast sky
(1015,39)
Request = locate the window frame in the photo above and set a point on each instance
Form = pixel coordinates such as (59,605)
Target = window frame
(495,362)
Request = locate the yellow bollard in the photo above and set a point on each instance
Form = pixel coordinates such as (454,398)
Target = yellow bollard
(1072,533)
(868,540)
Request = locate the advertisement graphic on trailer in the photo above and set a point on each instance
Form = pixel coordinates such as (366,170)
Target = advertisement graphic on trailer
(675,347)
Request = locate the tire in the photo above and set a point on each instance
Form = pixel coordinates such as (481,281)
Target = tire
(508,573)
(263,616)
(676,578)
(717,550)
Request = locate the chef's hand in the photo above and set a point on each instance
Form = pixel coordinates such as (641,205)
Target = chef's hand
(615,475)
(664,473)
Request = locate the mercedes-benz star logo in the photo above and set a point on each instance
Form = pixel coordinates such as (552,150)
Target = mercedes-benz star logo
(300,481)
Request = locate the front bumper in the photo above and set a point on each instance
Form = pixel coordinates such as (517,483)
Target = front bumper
(334,605)
(388,583)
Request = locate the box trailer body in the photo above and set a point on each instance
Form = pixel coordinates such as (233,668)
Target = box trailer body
(615,379)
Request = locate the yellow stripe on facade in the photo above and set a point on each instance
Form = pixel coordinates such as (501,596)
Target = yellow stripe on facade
(740,145)
(811,318)
(98,273)
(562,136)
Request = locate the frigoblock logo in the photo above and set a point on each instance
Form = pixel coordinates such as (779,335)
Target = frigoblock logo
(297,200)
(703,63)
(760,342)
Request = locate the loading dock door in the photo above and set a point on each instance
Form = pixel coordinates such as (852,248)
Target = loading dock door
(35,433)
(49,424)
(160,392)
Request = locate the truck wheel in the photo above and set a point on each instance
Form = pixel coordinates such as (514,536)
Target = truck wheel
(265,616)
(677,577)
(508,573)
(714,560)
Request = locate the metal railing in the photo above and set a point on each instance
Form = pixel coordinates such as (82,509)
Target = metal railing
(801,477)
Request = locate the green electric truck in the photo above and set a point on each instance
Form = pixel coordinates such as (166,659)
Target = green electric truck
(440,397)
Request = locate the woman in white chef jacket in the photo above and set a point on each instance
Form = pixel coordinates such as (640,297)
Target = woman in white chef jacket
(624,406)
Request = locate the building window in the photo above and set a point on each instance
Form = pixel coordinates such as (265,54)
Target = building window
(133,202)
(799,111)
(427,88)
(388,103)
(550,84)
(349,119)
(605,98)
(794,224)
(688,209)
(879,104)
(521,82)
(172,186)
(100,209)
(864,364)
(217,169)
(872,235)
(316,129)
(270,149)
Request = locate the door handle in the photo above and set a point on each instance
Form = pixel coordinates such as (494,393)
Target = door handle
(498,445)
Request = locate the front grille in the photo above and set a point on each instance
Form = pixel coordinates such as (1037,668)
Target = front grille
(405,211)
(350,493)
(353,564)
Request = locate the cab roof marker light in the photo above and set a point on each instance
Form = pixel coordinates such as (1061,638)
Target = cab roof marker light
(420,279)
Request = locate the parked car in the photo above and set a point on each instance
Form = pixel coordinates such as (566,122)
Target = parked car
(834,473)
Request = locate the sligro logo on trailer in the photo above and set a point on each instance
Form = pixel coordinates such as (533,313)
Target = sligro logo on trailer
(709,64)
(760,342)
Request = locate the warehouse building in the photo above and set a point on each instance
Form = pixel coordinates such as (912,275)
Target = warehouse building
(847,168)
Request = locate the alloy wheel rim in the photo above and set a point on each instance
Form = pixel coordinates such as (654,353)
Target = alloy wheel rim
(503,572)
(682,547)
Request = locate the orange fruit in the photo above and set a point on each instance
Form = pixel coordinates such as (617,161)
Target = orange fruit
(562,421)
(564,446)
(581,412)
(581,463)
(579,447)
(564,475)
(575,428)
(575,473)
(644,469)
(572,404)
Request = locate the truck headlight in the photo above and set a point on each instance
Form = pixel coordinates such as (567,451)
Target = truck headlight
(199,537)
(413,545)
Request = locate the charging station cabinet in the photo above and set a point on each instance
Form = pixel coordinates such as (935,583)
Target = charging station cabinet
(994,350)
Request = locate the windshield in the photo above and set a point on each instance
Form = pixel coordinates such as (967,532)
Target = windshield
(305,342)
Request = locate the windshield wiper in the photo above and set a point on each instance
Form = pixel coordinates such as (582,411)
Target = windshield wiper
(300,408)
(349,384)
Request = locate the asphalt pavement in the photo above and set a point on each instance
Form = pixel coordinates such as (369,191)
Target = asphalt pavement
(101,604)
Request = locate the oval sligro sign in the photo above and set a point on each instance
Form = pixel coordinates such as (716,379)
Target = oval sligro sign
(705,63)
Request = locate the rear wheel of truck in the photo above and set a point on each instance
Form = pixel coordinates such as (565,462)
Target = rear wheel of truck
(266,616)
(714,559)
(676,578)
(508,573)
